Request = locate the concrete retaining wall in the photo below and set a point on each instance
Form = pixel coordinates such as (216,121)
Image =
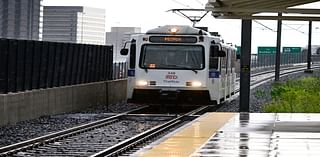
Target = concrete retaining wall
(15,107)
(117,91)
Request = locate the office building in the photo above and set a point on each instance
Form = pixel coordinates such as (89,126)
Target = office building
(21,19)
(75,24)
(117,37)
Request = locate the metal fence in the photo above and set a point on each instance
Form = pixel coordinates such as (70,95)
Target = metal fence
(315,58)
(267,60)
(120,70)
(27,65)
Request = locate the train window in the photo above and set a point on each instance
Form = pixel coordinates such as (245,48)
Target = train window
(223,64)
(227,60)
(213,63)
(214,51)
(132,55)
(233,59)
(220,66)
(214,54)
(154,56)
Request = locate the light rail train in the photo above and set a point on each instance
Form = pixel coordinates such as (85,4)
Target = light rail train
(180,63)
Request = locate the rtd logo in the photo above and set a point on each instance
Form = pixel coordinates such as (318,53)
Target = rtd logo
(171,76)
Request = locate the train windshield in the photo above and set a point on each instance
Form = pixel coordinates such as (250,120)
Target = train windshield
(180,57)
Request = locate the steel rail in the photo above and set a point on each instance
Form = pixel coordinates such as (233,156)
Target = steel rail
(145,136)
(10,149)
(270,71)
(131,143)
(286,72)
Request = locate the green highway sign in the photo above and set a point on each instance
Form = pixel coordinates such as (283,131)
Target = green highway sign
(266,50)
(291,49)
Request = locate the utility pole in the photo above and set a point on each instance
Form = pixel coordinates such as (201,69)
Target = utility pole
(278,53)
(309,70)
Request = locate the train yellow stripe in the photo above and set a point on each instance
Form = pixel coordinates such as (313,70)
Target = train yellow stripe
(186,141)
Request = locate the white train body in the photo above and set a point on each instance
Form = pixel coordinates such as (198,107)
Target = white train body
(180,62)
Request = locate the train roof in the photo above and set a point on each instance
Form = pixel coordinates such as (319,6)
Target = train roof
(177,30)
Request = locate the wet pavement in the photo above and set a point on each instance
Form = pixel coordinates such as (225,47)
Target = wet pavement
(265,134)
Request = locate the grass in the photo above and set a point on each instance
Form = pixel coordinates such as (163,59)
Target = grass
(260,93)
(297,96)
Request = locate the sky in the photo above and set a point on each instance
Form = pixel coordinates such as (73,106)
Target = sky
(149,14)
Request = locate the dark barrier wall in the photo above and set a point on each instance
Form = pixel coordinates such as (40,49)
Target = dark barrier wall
(27,65)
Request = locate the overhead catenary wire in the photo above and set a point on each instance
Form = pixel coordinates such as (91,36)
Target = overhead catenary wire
(292,28)
(264,26)
(296,29)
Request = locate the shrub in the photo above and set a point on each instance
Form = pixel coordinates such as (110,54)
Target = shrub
(296,96)
(260,93)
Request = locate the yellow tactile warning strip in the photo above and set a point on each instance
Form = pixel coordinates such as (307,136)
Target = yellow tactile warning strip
(186,141)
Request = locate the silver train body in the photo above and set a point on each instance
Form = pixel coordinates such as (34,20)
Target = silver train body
(180,63)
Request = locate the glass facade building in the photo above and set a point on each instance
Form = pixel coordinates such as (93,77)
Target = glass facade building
(21,19)
(74,24)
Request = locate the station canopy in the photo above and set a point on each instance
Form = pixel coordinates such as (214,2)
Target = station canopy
(263,9)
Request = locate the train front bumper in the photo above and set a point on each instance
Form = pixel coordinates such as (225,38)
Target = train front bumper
(158,95)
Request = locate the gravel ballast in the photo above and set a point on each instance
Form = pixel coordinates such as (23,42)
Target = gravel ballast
(93,141)
(10,134)
(21,131)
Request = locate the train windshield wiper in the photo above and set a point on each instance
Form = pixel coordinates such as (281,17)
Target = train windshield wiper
(182,67)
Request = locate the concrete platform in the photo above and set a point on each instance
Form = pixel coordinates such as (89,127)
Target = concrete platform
(242,134)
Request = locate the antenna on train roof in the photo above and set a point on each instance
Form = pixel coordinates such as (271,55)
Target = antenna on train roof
(193,19)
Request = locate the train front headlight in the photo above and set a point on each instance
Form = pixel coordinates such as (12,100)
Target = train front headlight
(142,83)
(174,30)
(196,84)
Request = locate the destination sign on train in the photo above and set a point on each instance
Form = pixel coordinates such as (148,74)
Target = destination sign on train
(172,39)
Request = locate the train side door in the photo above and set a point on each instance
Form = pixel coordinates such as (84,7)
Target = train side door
(216,73)
(224,75)
(233,58)
(131,68)
(229,71)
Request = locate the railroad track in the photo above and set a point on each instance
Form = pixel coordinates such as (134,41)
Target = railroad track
(91,139)
(85,140)
(259,78)
(300,67)
(129,147)
(65,138)
(145,137)
(263,77)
